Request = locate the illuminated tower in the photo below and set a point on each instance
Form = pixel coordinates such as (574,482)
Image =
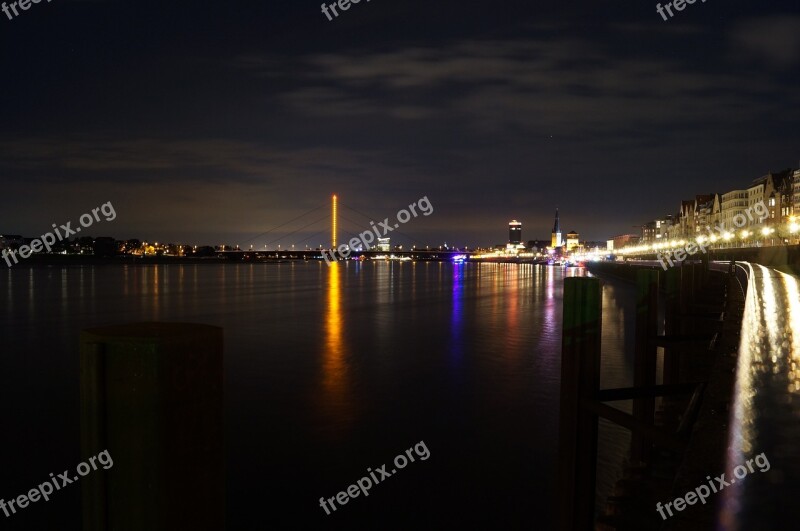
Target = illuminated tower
(335,221)
(556,240)
(515,232)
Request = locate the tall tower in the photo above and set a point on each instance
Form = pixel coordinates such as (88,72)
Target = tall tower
(334,221)
(515,232)
(556,239)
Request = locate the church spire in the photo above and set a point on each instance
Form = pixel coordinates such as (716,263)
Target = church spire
(556,239)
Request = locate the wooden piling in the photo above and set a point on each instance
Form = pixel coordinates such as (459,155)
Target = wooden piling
(151,394)
(672,310)
(645,361)
(580,382)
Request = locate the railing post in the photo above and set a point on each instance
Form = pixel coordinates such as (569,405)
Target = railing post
(580,382)
(151,394)
(645,358)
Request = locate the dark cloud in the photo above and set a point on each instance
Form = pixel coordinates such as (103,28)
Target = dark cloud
(224,123)
(774,40)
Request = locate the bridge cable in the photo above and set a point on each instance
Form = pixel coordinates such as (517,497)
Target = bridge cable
(290,221)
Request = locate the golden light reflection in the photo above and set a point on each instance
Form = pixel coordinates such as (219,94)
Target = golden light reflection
(769,355)
(512,304)
(770,307)
(155,293)
(741,431)
(793,326)
(333,316)
(334,367)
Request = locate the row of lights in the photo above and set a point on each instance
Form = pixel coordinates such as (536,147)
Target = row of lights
(794,228)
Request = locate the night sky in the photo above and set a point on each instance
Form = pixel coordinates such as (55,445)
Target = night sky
(211,122)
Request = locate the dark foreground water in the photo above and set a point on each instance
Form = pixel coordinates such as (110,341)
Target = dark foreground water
(328,371)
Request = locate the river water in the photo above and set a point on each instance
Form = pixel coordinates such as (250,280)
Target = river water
(328,371)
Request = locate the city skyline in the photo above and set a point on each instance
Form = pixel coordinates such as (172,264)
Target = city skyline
(674,224)
(210,127)
(647,232)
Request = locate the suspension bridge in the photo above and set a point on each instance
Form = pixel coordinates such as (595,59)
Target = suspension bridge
(329,226)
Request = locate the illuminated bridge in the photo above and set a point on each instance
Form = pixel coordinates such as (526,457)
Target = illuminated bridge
(324,228)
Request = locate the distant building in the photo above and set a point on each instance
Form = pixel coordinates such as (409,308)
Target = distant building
(693,217)
(770,189)
(537,246)
(780,201)
(556,240)
(703,213)
(734,203)
(796,187)
(784,190)
(515,232)
(384,245)
(623,241)
(573,242)
(656,231)
(11,241)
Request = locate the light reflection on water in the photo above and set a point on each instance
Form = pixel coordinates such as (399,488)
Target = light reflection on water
(766,406)
(330,370)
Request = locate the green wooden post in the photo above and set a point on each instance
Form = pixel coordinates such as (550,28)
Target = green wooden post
(580,382)
(151,394)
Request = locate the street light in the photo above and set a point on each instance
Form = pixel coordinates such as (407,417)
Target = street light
(766,231)
(745,234)
(727,236)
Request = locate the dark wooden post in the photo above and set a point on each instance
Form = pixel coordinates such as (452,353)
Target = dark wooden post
(645,358)
(151,394)
(688,283)
(672,324)
(580,383)
(705,267)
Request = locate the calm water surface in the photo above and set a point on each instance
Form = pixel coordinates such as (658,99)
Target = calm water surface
(328,371)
